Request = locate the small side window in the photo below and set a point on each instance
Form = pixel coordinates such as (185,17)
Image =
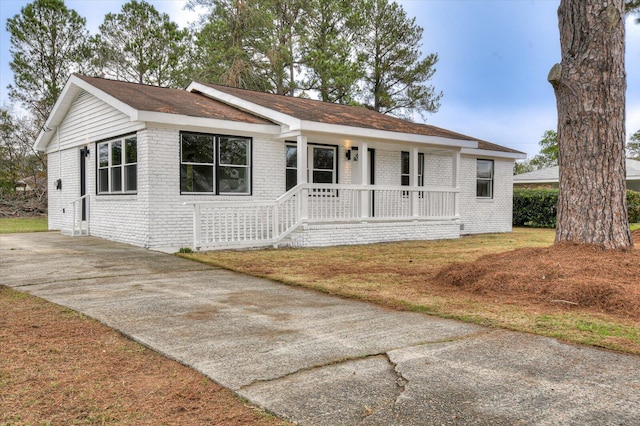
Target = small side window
(291,154)
(484,179)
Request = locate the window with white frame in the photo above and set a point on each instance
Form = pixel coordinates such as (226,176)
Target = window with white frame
(117,171)
(484,177)
(215,164)
(291,159)
(322,163)
(405,168)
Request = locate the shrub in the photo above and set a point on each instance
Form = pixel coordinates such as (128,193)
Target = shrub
(633,206)
(535,207)
(538,208)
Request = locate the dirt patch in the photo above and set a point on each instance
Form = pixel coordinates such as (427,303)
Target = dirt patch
(59,367)
(564,275)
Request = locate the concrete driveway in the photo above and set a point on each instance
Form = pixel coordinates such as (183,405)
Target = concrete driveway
(322,360)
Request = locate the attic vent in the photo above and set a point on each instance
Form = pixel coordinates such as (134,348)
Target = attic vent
(83,95)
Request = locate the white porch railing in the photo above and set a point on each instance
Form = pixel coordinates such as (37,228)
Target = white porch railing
(77,223)
(226,224)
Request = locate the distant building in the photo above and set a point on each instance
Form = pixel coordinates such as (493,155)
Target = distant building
(548,178)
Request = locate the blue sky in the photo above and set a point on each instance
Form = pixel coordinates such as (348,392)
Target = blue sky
(494,57)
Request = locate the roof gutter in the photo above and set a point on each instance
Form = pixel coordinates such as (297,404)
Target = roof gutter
(497,154)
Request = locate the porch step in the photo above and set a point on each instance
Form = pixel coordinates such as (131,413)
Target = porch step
(80,231)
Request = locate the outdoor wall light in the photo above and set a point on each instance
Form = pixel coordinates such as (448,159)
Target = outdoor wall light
(348,154)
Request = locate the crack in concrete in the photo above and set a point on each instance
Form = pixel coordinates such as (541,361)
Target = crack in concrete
(401,381)
(312,368)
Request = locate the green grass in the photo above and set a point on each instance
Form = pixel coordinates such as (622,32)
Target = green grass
(634,226)
(9,225)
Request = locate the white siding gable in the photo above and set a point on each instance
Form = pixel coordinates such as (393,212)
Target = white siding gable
(89,120)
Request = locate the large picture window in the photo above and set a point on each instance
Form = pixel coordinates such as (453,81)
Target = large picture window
(118,166)
(214,164)
(484,186)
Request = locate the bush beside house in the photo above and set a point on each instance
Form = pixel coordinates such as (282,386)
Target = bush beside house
(538,208)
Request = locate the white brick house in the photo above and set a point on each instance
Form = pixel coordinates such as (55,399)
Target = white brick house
(216,167)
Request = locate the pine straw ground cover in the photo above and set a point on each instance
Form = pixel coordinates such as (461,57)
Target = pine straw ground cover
(517,281)
(58,367)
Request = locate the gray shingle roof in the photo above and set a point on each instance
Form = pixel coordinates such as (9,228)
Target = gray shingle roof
(551,174)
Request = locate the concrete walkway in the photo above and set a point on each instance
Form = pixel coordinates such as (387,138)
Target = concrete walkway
(321,360)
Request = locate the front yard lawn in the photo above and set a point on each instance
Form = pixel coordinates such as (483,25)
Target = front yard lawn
(517,281)
(9,225)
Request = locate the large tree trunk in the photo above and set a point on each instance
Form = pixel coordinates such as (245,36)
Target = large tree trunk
(590,88)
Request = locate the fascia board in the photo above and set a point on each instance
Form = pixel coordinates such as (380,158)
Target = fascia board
(59,110)
(221,125)
(244,105)
(67,96)
(351,132)
(498,154)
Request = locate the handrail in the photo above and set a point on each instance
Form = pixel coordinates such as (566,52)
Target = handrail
(76,226)
(226,224)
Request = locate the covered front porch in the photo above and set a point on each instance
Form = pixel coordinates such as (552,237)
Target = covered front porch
(313,214)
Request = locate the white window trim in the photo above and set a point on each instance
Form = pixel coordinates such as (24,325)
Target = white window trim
(421,166)
(310,168)
(123,166)
(489,179)
(286,167)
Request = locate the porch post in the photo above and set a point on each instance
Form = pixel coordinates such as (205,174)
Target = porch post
(363,159)
(455,181)
(303,174)
(413,170)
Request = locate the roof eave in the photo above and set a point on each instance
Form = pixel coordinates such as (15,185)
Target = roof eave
(201,122)
(492,153)
(286,120)
(353,132)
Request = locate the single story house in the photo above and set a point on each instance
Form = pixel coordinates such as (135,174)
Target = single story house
(550,176)
(218,167)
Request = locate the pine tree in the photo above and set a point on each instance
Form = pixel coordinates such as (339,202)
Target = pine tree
(141,45)
(590,85)
(48,44)
(396,78)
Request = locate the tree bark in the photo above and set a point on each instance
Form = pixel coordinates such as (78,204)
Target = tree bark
(590,85)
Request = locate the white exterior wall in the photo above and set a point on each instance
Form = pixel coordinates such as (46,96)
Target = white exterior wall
(486,215)
(123,218)
(69,174)
(323,235)
(156,216)
(438,170)
(171,222)
(88,120)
